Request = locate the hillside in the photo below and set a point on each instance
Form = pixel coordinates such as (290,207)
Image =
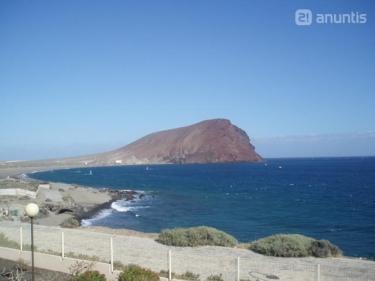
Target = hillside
(210,141)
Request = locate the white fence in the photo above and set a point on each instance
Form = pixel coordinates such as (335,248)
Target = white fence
(232,264)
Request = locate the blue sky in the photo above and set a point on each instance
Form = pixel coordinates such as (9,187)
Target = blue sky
(79,76)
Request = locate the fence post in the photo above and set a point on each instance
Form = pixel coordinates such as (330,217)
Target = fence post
(318,272)
(111,251)
(169,265)
(238,269)
(21,239)
(62,245)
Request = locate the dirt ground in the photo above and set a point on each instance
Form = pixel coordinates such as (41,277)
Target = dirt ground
(10,270)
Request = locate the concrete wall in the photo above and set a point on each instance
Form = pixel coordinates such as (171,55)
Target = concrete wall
(17,192)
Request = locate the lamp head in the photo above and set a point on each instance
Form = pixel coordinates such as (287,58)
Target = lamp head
(32,210)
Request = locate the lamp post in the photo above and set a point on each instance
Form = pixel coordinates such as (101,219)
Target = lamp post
(32,211)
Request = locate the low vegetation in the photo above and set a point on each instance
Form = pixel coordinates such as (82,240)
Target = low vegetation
(70,222)
(16,183)
(89,276)
(7,243)
(137,273)
(294,245)
(324,248)
(189,276)
(79,267)
(215,278)
(84,257)
(196,236)
(117,265)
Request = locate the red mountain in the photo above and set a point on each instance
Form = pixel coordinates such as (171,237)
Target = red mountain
(210,141)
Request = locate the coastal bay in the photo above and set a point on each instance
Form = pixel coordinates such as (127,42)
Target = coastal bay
(140,246)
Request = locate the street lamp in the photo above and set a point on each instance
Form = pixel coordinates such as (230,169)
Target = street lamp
(32,211)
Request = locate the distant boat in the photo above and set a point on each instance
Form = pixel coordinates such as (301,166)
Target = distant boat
(90,173)
(147,168)
(280,167)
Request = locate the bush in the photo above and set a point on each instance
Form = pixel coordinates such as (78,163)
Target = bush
(281,245)
(196,236)
(137,273)
(324,248)
(294,245)
(89,276)
(215,278)
(70,222)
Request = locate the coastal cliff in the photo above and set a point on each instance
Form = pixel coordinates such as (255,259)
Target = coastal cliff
(210,141)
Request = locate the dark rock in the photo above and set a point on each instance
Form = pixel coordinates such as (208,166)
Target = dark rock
(64,210)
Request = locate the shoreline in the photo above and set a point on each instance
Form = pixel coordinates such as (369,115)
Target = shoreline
(61,204)
(23,174)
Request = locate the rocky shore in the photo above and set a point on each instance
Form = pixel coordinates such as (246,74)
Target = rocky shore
(60,204)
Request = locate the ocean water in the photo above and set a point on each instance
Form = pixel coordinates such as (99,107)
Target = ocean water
(326,198)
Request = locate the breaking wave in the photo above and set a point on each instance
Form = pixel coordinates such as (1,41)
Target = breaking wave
(100,215)
(121,206)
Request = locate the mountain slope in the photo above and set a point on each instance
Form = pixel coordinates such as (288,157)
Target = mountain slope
(210,141)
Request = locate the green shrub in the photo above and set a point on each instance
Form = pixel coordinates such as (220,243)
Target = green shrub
(294,245)
(282,245)
(324,248)
(196,236)
(137,273)
(89,276)
(215,278)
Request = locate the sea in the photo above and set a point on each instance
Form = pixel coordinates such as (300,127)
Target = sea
(325,198)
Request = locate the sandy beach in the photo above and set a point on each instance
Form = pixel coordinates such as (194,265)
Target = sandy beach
(17,168)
